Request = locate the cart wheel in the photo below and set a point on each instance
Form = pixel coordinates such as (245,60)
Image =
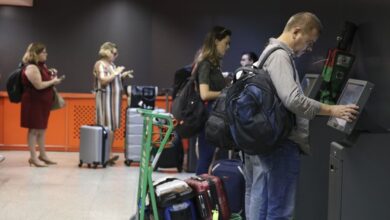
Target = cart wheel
(89,165)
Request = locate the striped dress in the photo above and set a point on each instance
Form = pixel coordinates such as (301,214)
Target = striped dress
(108,98)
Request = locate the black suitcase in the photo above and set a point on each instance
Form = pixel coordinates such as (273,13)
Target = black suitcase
(171,157)
(143,96)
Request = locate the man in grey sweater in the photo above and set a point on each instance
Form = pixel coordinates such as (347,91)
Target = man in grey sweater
(271,180)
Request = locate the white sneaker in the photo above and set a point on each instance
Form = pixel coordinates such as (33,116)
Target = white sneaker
(2,158)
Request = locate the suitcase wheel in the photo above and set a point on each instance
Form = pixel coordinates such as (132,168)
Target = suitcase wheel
(89,165)
(81,163)
(179,169)
(95,165)
(128,162)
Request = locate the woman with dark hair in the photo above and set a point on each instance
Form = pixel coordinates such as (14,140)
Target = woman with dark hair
(211,82)
(37,99)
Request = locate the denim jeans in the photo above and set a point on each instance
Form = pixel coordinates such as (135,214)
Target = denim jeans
(205,149)
(271,182)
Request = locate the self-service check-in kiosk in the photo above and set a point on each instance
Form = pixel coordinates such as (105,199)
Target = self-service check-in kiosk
(346,176)
(355,92)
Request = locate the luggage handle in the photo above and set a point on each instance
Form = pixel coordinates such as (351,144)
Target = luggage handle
(198,178)
(165,181)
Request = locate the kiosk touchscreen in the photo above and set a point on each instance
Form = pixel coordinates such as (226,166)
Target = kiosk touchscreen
(311,84)
(355,92)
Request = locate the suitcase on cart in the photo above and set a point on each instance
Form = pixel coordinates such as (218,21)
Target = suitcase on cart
(174,199)
(94,145)
(209,195)
(180,211)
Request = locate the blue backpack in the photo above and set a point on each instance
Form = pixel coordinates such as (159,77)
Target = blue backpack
(14,85)
(257,118)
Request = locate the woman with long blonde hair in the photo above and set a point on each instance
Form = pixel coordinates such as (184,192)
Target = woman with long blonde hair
(108,90)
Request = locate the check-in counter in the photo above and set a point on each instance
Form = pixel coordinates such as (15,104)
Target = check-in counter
(63,132)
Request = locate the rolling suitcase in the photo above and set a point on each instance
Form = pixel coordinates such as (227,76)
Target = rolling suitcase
(171,157)
(210,197)
(232,176)
(94,145)
(138,97)
(133,136)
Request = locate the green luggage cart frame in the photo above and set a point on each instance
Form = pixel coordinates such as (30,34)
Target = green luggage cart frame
(146,166)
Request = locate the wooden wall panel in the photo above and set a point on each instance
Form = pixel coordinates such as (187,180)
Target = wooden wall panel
(63,132)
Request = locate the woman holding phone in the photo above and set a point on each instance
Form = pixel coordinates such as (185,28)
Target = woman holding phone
(37,99)
(108,90)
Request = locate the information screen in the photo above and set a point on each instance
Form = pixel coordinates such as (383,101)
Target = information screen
(351,95)
(355,92)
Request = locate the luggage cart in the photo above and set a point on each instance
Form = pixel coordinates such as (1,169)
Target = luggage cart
(145,183)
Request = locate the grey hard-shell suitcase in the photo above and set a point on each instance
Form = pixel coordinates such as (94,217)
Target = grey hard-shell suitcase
(133,136)
(94,145)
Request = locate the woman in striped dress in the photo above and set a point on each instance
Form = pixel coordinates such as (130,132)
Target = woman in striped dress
(108,89)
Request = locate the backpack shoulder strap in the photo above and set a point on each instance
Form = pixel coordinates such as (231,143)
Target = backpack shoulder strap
(266,56)
(269,52)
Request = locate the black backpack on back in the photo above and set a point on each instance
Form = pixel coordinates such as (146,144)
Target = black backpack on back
(14,85)
(189,111)
(180,79)
(217,129)
(257,118)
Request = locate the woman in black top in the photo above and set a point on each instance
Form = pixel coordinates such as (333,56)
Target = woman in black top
(211,82)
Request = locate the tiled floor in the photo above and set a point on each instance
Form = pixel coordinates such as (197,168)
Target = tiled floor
(65,191)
